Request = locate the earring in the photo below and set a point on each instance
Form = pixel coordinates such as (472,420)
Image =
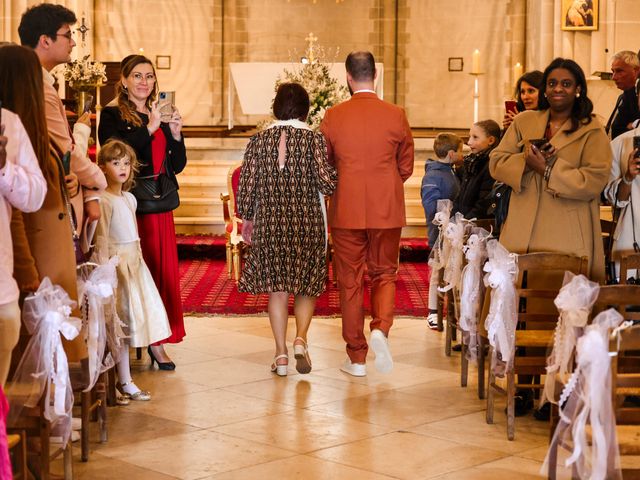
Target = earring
(578,95)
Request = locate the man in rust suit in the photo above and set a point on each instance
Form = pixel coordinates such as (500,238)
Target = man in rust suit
(370,143)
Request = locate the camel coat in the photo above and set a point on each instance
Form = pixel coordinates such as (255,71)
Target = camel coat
(562,215)
(43,247)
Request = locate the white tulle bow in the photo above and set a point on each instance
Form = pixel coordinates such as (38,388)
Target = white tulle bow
(574,301)
(586,401)
(43,368)
(502,270)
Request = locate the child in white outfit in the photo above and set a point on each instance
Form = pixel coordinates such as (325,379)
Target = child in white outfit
(139,304)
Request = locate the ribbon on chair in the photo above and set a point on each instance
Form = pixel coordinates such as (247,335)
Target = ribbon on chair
(586,400)
(574,301)
(454,235)
(43,369)
(439,256)
(502,270)
(96,291)
(472,289)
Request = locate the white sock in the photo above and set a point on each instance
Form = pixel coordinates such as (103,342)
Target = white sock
(124,372)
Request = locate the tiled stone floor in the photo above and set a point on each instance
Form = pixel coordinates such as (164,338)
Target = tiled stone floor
(222,415)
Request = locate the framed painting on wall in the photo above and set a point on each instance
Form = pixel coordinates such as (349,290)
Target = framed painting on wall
(580,14)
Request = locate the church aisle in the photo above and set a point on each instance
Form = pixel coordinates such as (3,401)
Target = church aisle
(222,415)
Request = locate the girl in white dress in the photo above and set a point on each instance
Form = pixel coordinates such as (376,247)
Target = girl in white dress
(139,304)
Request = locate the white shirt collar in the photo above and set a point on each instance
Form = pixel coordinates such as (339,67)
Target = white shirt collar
(364,90)
(47,77)
(294,122)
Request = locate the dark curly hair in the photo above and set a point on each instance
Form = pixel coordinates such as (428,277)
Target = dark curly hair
(43,19)
(582,106)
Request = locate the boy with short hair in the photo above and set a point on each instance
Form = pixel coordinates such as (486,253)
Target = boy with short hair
(439,183)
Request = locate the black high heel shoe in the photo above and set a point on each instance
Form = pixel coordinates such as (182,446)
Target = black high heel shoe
(161,365)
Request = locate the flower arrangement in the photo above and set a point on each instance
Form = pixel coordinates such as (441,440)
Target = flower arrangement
(324,90)
(83,74)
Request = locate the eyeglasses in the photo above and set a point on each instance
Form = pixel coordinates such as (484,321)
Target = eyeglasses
(138,77)
(563,83)
(68,35)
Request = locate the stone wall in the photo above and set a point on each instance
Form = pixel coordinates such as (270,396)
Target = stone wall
(413,38)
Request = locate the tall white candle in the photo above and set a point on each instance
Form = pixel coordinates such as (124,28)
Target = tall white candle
(475,61)
(517,71)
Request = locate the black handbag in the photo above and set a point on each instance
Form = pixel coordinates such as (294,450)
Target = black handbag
(156,193)
(499,207)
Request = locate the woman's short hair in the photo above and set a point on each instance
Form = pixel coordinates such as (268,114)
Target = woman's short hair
(582,105)
(533,78)
(292,101)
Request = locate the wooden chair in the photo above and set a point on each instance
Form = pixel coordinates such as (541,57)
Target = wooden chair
(625,382)
(233,224)
(535,330)
(17,443)
(628,262)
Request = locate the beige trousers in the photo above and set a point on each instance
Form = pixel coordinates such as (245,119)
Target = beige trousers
(9,333)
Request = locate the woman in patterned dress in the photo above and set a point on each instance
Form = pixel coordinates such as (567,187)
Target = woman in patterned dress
(285,174)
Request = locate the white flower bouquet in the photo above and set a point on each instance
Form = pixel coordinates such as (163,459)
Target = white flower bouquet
(84,73)
(324,90)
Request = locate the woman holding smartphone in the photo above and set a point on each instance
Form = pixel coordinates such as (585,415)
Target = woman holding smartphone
(527,91)
(134,117)
(554,205)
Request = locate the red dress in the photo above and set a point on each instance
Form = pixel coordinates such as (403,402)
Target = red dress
(158,242)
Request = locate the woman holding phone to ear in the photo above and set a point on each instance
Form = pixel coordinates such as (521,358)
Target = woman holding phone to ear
(134,117)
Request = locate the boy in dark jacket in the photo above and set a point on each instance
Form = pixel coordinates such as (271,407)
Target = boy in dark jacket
(439,181)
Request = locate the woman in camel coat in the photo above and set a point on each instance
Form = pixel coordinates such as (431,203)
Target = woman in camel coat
(556,189)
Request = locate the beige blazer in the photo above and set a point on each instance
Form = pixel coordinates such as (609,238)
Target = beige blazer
(370,143)
(561,215)
(43,247)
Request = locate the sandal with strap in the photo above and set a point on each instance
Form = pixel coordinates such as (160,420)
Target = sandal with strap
(301,353)
(280,370)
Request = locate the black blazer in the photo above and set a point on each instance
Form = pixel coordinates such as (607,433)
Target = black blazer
(112,125)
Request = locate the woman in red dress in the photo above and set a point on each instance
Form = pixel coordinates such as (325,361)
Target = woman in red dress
(135,118)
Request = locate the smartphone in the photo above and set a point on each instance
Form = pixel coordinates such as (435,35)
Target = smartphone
(88,104)
(539,142)
(66,162)
(166,101)
(511,106)
(636,146)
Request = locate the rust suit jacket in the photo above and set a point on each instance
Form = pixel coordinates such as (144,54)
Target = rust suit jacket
(369,142)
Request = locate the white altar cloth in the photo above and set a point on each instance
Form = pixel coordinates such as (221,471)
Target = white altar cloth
(254,82)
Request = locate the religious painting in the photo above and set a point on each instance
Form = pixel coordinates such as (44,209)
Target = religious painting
(580,14)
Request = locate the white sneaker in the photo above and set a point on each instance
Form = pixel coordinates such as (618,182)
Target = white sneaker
(432,321)
(380,347)
(354,369)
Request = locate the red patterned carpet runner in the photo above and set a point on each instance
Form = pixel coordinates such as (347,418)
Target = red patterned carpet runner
(206,288)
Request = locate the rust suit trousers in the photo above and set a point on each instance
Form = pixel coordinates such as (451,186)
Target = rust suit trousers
(377,249)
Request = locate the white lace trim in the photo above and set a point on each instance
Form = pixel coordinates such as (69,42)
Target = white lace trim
(294,122)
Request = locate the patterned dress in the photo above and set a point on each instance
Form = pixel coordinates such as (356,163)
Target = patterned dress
(288,244)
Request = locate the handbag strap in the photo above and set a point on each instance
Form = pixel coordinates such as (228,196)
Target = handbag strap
(154,176)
